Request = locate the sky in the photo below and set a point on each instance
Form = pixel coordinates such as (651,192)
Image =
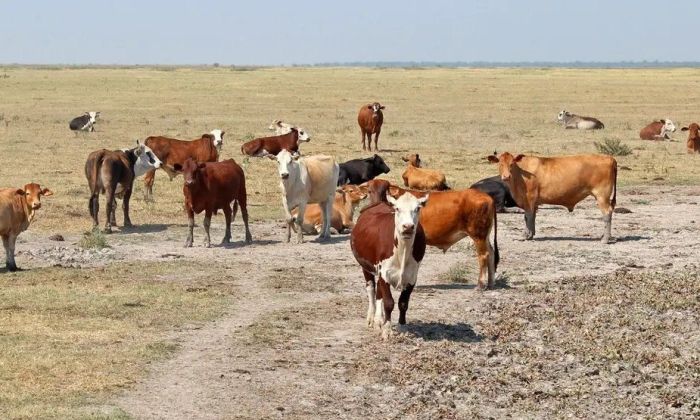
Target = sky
(262,32)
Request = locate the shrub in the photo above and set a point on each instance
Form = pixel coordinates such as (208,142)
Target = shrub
(613,147)
(94,239)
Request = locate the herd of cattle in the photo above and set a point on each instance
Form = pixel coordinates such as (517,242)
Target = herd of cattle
(320,196)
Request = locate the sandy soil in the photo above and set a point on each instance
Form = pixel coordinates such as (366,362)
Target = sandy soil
(295,343)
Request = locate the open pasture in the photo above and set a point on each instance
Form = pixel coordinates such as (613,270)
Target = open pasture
(148,328)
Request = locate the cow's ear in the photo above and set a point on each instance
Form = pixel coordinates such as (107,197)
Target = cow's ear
(296,156)
(369,106)
(391,200)
(492,158)
(177,167)
(222,134)
(404,158)
(423,200)
(393,190)
(46,192)
(684,129)
(382,107)
(20,191)
(662,121)
(518,158)
(271,157)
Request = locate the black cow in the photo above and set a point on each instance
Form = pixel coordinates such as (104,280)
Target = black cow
(357,171)
(85,122)
(498,190)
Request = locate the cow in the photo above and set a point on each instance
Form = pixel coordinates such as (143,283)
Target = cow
(171,151)
(422,179)
(85,122)
(106,170)
(449,217)
(271,146)
(347,198)
(658,130)
(370,118)
(18,208)
(578,122)
(210,187)
(498,190)
(358,171)
(693,143)
(388,242)
(306,180)
(280,127)
(563,181)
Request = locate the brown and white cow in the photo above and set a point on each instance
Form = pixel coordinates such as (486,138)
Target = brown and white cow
(658,130)
(389,244)
(563,181)
(266,146)
(420,178)
(370,118)
(451,216)
(173,151)
(693,143)
(210,187)
(18,207)
(280,127)
(347,198)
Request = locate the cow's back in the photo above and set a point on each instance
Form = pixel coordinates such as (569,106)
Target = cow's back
(322,172)
(12,216)
(224,177)
(449,215)
(171,151)
(651,131)
(367,122)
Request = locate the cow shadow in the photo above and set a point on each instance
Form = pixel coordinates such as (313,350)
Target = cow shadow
(243,244)
(146,228)
(434,331)
(391,151)
(628,238)
(334,239)
(447,286)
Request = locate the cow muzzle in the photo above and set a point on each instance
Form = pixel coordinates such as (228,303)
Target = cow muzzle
(189,181)
(284,176)
(407,229)
(505,178)
(36,206)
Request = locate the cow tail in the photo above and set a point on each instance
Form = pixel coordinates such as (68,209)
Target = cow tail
(613,202)
(497,256)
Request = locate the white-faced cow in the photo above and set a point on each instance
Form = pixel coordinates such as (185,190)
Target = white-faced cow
(370,118)
(271,146)
(280,127)
(578,122)
(85,122)
(389,244)
(306,180)
(658,130)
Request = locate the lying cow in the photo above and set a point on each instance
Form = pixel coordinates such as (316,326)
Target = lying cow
(358,171)
(210,187)
(85,122)
(498,190)
(271,146)
(422,179)
(389,244)
(693,143)
(280,127)
(563,181)
(370,118)
(18,207)
(172,152)
(451,216)
(576,121)
(347,198)
(658,130)
(106,170)
(303,181)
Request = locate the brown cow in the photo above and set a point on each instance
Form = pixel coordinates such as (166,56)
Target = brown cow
(265,146)
(658,130)
(347,198)
(18,207)
(172,151)
(389,244)
(693,143)
(210,187)
(422,179)
(563,181)
(450,216)
(370,118)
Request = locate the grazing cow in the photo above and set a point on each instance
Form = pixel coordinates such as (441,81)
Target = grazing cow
(85,122)
(280,127)
(173,151)
(576,121)
(693,143)
(498,190)
(370,119)
(389,244)
(658,130)
(357,171)
(422,179)
(106,170)
(306,180)
(449,217)
(18,207)
(563,181)
(347,198)
(210,187)
(271,146)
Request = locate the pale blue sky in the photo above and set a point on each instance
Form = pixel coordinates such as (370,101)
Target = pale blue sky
(311,31)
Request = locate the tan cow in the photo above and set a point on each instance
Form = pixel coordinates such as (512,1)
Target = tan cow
(693,143)
(18,207)
(347,198)
(422,179)
(563,181)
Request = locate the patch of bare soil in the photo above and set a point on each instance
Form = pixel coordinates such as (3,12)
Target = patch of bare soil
(578,328)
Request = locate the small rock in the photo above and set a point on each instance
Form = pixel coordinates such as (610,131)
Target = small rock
(622,210)
(56,237)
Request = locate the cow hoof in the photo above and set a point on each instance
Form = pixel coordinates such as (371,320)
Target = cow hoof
(387,331)
(226,241)
(12,268)
(248,239)
(128,225)
(607,240)
(188,244)
(207,245)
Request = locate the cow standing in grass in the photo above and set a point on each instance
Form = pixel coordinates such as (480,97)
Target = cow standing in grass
(370,118)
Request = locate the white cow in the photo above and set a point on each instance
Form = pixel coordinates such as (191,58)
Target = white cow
(306,180)
(281,128)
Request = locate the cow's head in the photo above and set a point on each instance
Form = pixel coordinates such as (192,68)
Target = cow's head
(218,138)
(353,193)
(303,134)
(412,159)
(693,128)
(287,165)
(93,115)
(274,125)
(563,114)
(32,195)
(375,107)
(505,163)
(379,164)
(669,126)
(191,171)
(145,159)
(406,211)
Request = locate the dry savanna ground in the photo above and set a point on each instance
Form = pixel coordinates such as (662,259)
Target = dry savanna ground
(145,328)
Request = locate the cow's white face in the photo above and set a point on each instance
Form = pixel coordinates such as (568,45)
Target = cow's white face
(406,212)
(669,126)
(562,115)
(93,116)
(145,159)
(287,165)
(303,134)
(218,138)
(375,107)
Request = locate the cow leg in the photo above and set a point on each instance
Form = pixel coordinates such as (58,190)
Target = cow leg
(125,207)
(607,209)
(148,180)
(207,224)
(113,216)
(111,201)
(227,215)
(327,207)
(299,222)
(8,242)
(94,205)
(376,141)
(363,141)
(190,225)
(244,213)
(485,256)
(403,303)
(288,217)
(530,224)
(386,308)
(371,297)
